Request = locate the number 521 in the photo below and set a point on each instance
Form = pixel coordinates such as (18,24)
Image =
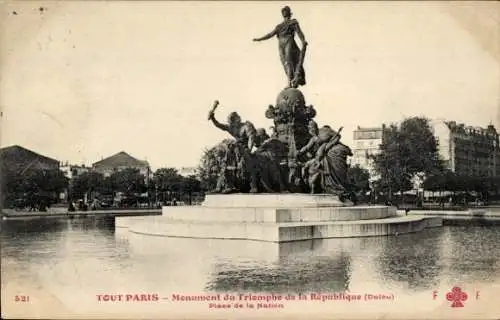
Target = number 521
(22,298)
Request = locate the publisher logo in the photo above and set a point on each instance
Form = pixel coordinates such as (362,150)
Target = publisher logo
(457,297)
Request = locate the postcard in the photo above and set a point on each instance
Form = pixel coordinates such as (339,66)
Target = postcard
(250,160)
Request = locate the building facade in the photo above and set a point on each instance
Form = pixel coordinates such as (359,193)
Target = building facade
(73,171)
(366,144)
(120,161)
(19,159)
(467,150)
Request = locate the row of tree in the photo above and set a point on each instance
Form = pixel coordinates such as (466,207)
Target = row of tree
(32,187)
(449,181)
(166,183)
(128,181)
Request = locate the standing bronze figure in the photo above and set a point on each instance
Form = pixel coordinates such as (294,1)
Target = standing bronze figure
(292,58)
(237,159)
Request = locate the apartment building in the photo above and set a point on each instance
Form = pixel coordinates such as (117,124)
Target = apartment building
(367,142)
(468,150)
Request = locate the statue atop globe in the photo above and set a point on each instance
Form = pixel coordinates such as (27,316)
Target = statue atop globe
(292,58)
(297,156)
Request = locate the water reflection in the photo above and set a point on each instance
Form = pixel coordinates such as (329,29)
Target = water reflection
(293,273)
(321,247)
(29,230)
(92,256)
(56,248)
(479,264)
(26,241)
(412,259)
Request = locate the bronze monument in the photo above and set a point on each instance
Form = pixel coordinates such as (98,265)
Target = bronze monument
(297,156)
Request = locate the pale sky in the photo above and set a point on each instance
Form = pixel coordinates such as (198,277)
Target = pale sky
(84,80)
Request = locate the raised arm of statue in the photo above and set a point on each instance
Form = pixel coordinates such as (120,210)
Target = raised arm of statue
(223,127)
(267,36)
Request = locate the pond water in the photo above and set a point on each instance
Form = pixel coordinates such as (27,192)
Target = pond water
(77,260)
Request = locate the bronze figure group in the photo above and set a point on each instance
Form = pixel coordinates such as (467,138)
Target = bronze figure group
(297,155)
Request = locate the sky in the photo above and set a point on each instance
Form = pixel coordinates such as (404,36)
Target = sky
(84,80)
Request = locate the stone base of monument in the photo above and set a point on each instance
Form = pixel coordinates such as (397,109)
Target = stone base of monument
(277,218)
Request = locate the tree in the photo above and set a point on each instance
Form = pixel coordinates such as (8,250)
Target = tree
(421,147)
(359,179)
(129,181)
(32,186)
(210,166)
(167,179)
(444,181)
(89,182)
(11,185)
(170,181)
(391,163)
(493,184)
(407,151)
(191,185)
(52,181)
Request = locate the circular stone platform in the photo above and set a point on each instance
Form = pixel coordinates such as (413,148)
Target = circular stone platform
(276,218)
(277,215)
(277,232)
(273,200)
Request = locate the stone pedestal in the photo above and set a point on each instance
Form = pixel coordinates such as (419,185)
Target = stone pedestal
(267,200)
(276,218)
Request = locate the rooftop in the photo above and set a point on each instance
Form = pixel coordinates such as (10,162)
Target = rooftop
(358,128)
(121,159)
(22,158)
(462,128)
